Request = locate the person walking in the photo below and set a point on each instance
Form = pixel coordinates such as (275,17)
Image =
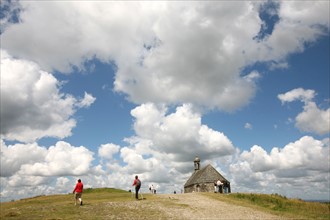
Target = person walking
(78,190)
(137,184)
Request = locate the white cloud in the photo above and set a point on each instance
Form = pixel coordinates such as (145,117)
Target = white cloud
(180,134)
(108,150)
(33,160)
(312,119)
(106,30)
(61,160)
(285,169)
(32,106)
(14,156)
(304,13)
(297,94)
(194,65)
(29,170)
(247,126)
(87,101)
(300,23)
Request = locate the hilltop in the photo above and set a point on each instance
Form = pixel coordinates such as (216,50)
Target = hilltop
(109,203)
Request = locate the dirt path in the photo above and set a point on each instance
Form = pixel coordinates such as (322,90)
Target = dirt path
(197,206)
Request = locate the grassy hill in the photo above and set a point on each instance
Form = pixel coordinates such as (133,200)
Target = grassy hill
(108,203)
(280,205)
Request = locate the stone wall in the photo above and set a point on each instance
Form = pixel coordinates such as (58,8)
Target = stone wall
(203,187)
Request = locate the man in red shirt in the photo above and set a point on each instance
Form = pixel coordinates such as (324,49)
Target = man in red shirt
(78,190)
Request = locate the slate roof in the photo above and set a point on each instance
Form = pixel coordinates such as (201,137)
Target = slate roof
(206,175)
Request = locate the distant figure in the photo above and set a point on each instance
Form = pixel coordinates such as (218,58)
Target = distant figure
(215,187)
(219,185)
(225,187)
(137,184)
(78,190)
(153,190)
(174,192)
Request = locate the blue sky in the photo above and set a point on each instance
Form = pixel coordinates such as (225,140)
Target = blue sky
(104,91)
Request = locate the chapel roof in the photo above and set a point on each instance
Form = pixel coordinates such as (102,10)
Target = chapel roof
(206,175)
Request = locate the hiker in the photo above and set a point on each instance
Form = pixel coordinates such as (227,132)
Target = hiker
(137,184)
(78,190)
(215,187)
(219,185)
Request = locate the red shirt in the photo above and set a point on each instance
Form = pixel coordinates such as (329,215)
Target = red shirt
(79,187)
(135,182)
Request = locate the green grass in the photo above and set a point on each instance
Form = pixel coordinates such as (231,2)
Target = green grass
(279,205)
(102,203)
(108,203)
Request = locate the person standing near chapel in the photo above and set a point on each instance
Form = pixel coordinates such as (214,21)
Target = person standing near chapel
(219,185)
(78,190)
(137,184)
(215,186)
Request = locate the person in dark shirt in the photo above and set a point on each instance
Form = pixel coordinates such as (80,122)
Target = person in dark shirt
(137,184)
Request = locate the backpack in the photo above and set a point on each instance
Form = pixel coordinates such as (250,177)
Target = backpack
(138,183)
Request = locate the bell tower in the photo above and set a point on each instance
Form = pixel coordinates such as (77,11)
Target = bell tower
(197,162)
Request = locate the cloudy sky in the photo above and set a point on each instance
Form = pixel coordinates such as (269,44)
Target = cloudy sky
(104,90)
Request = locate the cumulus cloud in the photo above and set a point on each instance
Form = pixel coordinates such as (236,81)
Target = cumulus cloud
(61,160)
(33,160)
(302,153)
(201,63)
(32,105)
(290,167)
(312,119)
(181,133)
(108,150)
(29,169)
(194,66)
(297,94)
(300,23)
(14,156)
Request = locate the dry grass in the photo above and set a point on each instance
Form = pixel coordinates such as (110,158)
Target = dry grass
(98,204)
(279,205)
(118,204)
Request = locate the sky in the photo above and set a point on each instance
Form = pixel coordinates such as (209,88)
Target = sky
(104,91)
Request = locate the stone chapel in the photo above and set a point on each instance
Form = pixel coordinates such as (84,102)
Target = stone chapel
(202,180)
